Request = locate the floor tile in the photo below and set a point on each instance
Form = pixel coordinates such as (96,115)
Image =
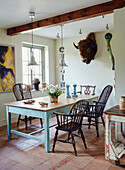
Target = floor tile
(18,166)
(98,165)
(32,162)
(67,167)
(6,163)
(44,166)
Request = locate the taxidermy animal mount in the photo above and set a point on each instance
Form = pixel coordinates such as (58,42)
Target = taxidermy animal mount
(87,48)
(108,38)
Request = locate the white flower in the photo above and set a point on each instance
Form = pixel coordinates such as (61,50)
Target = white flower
(51,86)
(52,90)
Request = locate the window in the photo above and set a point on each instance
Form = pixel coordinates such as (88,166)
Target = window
(37,71)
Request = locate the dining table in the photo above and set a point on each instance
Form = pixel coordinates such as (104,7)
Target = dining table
(45,112)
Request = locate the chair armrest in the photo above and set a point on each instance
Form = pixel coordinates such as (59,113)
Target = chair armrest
(79,92)
(68,115)
(95,102)
(93,105)
(98,102)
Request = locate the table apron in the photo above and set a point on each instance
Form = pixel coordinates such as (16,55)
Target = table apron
(25,111)
(117,118)
(37,113)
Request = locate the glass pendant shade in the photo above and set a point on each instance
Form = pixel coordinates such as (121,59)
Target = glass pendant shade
(62,61)
(32,61)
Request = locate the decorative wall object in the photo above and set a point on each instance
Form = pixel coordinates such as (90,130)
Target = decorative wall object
(7,68)
(87,48)
(62,63)
(108,38)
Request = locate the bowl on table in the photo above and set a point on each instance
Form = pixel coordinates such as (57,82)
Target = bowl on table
(43,104)
(29,102)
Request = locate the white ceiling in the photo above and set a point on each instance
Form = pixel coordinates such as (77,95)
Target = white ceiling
(16,12)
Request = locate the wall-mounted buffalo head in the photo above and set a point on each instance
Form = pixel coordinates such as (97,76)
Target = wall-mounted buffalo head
(87,48)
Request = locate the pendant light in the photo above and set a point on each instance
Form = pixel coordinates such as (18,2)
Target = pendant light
(62,63)
(32,61)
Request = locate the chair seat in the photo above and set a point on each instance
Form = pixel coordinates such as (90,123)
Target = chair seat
(71,126)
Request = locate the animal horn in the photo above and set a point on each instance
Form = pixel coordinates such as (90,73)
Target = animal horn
(76,46)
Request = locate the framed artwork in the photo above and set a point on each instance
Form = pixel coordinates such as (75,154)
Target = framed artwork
(7,68)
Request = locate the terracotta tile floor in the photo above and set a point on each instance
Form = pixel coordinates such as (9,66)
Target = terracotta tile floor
(23,153)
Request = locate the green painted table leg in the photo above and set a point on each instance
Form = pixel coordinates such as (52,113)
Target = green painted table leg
(8,123)
(46,127)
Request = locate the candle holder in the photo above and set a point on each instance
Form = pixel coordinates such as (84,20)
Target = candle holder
(67,91)
(74,92)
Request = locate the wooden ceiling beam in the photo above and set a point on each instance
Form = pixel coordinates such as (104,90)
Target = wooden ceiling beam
(89,12)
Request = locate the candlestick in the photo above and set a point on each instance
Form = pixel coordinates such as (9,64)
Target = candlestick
(74,92)
(67,91)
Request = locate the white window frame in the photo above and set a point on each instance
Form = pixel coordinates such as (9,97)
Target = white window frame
(44,67)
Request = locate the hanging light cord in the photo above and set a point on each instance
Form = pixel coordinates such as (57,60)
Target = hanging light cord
(61,35)
(32,31)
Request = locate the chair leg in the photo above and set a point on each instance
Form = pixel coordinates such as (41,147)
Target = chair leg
(89,120)
(83,138)
(103,121)
(73,142)
(96,122)
(26,122)
(18,120)
(30,119)
(55,138)
(68,136)
(79,130)
(41,122)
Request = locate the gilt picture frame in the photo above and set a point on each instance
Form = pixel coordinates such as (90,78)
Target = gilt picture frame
(7,68)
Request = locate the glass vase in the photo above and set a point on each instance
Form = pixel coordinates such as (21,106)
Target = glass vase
(54,99)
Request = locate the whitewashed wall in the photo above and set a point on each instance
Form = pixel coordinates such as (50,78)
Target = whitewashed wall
(98,72)
(17,42)
(119,44)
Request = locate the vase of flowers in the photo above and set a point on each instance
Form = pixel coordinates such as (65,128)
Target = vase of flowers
(54,92)
(54,99)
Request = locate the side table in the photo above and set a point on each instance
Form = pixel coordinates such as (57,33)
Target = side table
(114,149)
